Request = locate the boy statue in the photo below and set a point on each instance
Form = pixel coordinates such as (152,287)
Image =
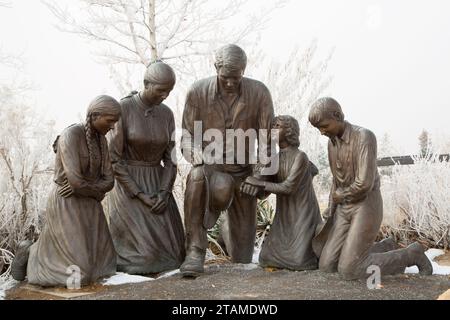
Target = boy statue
(356,207)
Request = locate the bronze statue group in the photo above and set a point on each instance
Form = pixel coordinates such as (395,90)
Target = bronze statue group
(125,148)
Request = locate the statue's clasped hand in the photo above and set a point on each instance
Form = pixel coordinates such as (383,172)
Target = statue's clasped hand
(344,196)
(148,200)
(162,200)
(338,196)
(252,186)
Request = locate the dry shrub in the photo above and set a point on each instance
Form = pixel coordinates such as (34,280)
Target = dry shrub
(417,203)
(25,155)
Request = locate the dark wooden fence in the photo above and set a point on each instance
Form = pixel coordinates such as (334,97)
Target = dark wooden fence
(405,160)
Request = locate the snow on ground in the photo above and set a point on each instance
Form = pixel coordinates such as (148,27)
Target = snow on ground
(250,266)
(168,274)
(437,269)
(123,278)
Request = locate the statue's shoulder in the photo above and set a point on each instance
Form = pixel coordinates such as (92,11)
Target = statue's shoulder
(202,84)
(364,133)
(255,84)
(74,129)
(70,135)
(129,96)
(299,155)
(166,110)
(127,102)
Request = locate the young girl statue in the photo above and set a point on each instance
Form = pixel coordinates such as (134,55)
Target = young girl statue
(288,244)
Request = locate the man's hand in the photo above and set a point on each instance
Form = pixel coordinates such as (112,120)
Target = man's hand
(249,189)
(338,196)
(252,186)
(148,200)
(162,200)
(254,182)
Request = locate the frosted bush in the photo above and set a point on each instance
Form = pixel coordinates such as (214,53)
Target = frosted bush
(417,203)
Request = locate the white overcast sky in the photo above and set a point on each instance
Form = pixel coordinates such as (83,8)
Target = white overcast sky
(391,62)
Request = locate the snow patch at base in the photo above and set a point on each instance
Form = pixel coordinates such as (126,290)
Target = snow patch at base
(124,278)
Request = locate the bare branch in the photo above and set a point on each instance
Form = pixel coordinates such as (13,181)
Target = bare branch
(177,26)
(133,34)
(135,31)
(9,166)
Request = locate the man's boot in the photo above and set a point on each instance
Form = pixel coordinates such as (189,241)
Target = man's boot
(416,253)
(384,245)
(20,262)
(193,264)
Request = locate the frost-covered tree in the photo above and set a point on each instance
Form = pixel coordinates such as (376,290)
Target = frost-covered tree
(385,147)
(425,143)
(25,155)
(130,34)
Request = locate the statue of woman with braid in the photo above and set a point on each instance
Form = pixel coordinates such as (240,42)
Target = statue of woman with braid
(145,223)
(76,236)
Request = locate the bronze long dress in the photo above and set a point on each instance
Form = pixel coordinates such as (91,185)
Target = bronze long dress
(289,243)
(145,242)
(76,231)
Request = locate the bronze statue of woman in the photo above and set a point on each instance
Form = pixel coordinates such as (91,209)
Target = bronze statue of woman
(76,235)
(144,219)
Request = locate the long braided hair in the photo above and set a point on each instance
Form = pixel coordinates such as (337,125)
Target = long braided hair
(96,143)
